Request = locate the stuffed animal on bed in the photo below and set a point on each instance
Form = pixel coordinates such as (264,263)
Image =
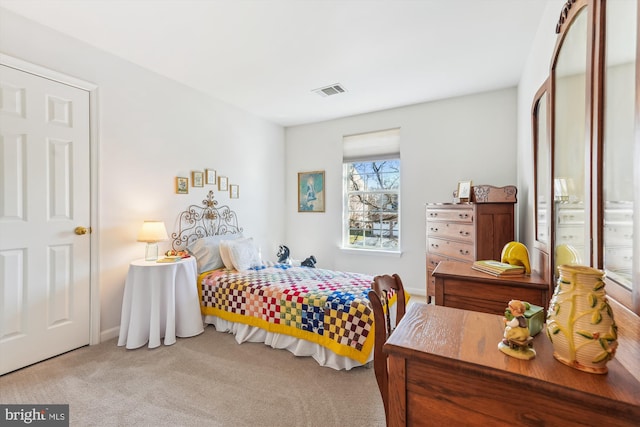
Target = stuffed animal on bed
(283,254)
(309,262)
(284,257)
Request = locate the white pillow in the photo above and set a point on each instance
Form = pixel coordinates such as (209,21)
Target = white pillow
(224,255)
(243,254)
(207,251)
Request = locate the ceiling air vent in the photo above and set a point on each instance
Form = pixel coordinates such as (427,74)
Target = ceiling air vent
(334,89)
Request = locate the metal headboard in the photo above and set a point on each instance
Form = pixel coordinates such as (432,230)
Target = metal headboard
(201,221)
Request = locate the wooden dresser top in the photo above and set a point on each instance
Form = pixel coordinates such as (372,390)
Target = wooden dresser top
(463,271)
(468,340)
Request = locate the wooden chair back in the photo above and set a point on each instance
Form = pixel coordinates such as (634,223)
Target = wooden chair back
(384,325)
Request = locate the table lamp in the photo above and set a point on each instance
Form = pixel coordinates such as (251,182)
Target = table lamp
(152,232)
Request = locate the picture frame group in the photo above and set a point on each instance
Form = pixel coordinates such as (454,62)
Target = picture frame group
(201,178)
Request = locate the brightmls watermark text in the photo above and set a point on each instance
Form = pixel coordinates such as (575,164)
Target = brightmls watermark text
(34,415)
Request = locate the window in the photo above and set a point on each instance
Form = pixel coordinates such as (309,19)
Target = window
(371,217)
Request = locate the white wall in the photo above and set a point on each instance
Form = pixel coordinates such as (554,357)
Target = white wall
(471,137)
(151,130)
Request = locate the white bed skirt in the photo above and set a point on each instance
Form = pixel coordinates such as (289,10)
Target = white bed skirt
(246,333)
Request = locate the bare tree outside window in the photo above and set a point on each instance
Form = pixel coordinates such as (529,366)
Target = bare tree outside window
(372,201)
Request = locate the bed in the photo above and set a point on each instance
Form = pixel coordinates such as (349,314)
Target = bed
(313,312)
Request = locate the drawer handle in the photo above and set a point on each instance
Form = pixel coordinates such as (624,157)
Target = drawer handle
(464,233)
(463,216)
(433,245)
(464,252)
(433,214)
(433,228)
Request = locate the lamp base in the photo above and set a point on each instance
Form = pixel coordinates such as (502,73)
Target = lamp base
(151,252)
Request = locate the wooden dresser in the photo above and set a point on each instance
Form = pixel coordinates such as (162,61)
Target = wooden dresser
(460,286)
(445,369)
(466,232)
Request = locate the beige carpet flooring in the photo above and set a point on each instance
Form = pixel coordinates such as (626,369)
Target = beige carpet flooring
(208,380)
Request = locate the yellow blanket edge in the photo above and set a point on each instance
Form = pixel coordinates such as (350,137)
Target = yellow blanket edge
(340,349)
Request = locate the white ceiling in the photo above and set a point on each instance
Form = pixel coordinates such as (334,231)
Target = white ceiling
(266,56)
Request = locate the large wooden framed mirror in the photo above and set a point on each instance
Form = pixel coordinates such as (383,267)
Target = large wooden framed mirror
(542,173)
(571,118)
(592,186)
(618,149)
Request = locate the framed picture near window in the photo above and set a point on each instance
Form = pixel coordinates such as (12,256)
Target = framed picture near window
(197,179)
(464,190)
(311,195)
(182,185)
(223,183)
(234,191)
(210,176)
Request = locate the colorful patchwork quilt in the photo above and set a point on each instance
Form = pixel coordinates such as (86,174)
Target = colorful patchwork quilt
(327,307)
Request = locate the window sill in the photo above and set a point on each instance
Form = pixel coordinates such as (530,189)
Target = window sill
(377,252)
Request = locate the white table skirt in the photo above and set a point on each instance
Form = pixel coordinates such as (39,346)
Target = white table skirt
(160,300)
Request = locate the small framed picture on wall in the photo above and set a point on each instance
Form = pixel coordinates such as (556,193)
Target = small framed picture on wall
(197,179)
(234,191)
(311,191)
(210,176)
(223,183)
(182,185)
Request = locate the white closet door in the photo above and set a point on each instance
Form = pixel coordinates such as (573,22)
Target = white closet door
(45,186)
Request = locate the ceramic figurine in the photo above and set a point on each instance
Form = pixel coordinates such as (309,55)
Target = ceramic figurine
(515,253)
(517,341)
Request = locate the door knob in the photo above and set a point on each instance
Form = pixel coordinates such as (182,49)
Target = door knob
(81,230)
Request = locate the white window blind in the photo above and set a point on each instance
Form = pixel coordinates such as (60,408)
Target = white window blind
(384,144)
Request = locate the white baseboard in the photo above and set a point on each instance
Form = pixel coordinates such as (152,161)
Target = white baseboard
(109,334)
(416,291)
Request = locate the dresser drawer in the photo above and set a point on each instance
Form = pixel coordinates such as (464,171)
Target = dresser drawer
(618,211)
(443,214)
(543,232)
(449,248)
(570,216)
(618,234)
(618,259)
(433,259)
(570,235)
(452,230)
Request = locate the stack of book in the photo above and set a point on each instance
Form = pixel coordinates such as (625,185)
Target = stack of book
(498,268)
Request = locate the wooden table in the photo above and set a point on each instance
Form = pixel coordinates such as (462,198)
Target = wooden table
(445,369)
(460,286)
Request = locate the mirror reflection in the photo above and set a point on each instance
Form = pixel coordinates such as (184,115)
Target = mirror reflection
(569,180)
(542,170)
(620,89)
